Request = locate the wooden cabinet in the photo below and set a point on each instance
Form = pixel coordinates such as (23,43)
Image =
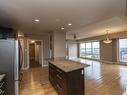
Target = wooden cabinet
(67,83)
(2,87)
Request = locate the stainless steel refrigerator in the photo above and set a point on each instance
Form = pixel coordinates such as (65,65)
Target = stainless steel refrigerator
(10,64)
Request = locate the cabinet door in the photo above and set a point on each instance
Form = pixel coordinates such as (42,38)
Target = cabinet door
(75,83)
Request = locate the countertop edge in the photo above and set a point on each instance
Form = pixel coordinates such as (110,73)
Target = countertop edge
(2,76)
(81,65)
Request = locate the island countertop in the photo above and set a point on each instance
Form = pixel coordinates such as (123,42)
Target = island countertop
(2,77)
(68,65)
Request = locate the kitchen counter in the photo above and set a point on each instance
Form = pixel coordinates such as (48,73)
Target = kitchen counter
(68,65)
(67,76)
(2,76)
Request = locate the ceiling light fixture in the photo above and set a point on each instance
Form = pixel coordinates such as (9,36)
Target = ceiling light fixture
(32,41)
(57,20)
(36,20)
(62,28)
(107,40)
(19,35)
(69,24)
(75,37)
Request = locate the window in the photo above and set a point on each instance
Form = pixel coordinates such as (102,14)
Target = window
(96,50)
(90,50)
(82,49)
(123,50)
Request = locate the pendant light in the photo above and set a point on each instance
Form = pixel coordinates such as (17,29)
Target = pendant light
(107,40)
(74,36)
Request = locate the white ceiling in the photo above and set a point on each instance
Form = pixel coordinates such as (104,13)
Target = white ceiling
(88,17)
(113,25)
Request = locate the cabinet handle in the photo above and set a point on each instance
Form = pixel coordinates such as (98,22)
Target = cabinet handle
(59,87)
(59,76)
(58,70)
(1,84)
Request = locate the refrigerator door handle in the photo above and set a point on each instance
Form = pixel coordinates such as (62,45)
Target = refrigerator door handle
(16,65)
(21,56)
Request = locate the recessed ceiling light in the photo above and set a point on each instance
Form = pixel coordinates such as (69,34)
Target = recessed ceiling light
(69,24)
(19,35)
(32,41)
(57,20)
(62,28)
(36,20)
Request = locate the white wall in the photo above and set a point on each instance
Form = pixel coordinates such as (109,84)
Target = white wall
(72,50)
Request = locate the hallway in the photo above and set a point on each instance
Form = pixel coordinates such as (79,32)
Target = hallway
(101,79)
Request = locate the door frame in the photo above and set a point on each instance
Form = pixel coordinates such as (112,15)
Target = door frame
(28,60)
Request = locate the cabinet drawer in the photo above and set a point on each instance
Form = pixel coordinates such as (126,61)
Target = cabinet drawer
(59,71)
(2,84)
(61,79)
(51,71)
(51,66)
(60,88)
(60,74)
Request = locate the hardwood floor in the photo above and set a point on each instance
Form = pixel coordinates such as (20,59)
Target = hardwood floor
(105,79)
(100,79)
(34,64)
(35,82)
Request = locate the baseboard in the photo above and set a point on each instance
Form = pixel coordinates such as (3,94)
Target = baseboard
(107,62)
(25,68)
(115,63)
(90,59)
(45,65)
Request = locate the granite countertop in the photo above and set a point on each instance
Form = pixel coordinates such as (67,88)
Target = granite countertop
(2,76)
(68,65)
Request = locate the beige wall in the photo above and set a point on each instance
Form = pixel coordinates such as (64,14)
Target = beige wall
(59,44)
(106,51)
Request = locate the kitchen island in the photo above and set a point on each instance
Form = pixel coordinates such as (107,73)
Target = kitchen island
(67,77)
(2,84)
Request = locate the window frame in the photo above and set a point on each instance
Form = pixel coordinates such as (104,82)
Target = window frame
(91,50)
(80,48)
(118,51)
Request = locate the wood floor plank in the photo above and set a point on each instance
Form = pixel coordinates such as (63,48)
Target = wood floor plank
(100,79)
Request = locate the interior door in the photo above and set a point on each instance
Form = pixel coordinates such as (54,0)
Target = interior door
(32,53)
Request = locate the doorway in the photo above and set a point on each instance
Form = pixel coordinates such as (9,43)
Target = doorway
(35,54)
